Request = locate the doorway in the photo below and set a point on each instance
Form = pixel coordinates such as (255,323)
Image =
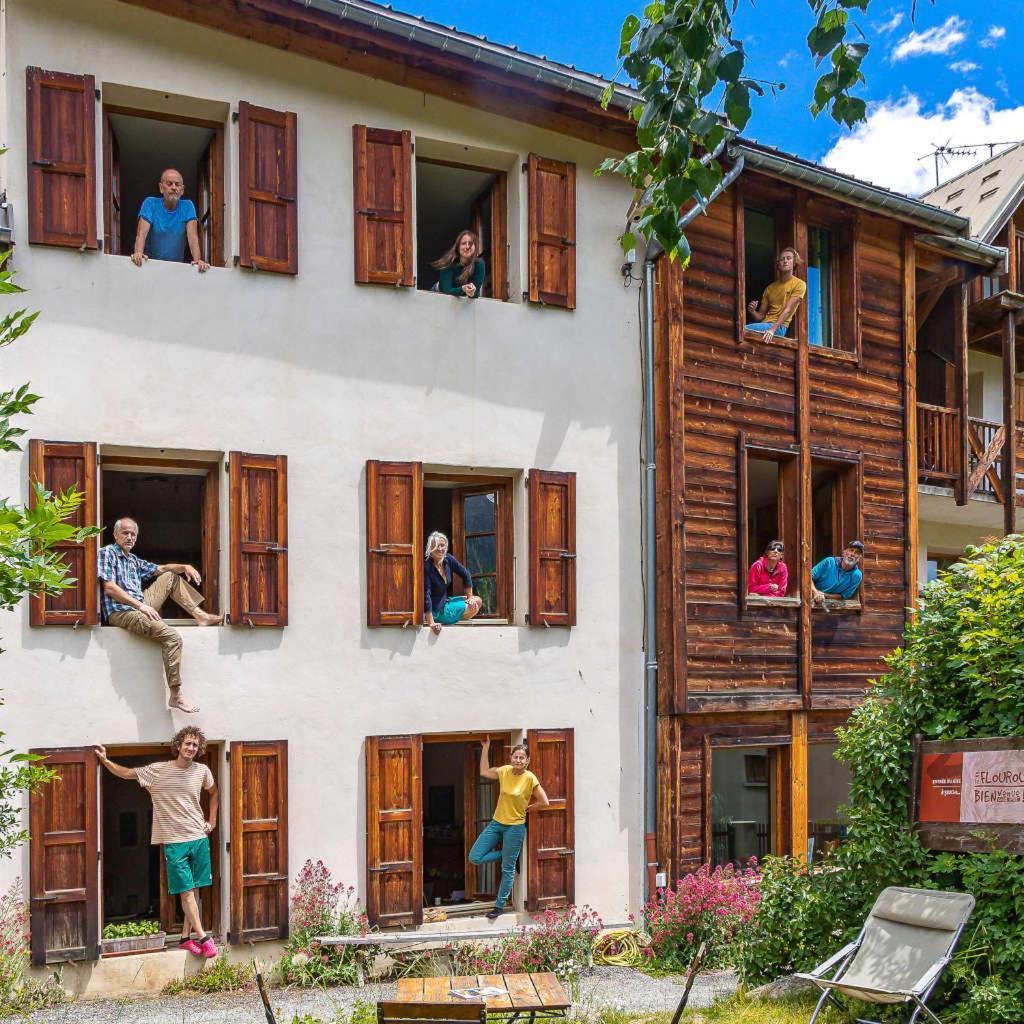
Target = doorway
(134,875)
(743,804)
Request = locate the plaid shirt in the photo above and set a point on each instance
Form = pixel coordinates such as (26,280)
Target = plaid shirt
(127,571)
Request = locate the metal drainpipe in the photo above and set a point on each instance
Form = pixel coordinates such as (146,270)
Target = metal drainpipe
(650,555)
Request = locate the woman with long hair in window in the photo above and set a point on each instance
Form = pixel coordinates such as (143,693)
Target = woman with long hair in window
(519,792)
(462,269)
(440,569)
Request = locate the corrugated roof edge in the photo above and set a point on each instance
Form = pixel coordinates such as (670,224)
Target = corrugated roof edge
(476,48)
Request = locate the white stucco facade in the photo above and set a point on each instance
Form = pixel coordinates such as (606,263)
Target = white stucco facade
(332,374)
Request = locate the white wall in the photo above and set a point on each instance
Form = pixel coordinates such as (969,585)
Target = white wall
(991,392)
(331,375)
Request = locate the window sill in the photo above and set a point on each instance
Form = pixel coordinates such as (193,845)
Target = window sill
(760,601)
(837,606)
(835,353)
(759,336)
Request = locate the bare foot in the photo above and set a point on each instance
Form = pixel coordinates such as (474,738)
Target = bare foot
(207,619)
(178,703)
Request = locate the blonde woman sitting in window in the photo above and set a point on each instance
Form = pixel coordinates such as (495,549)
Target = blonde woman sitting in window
(440,609)
(462,270)
(778,305)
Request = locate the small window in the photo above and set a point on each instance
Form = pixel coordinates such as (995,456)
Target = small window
(989,194)
(954,195)
(175,502)
(760,256)
(990,175)
(451,198)
(477,519)
(828,789)
(820,287)
(936,564)
(836,515)
(138,147)
(742,812)
(768,491)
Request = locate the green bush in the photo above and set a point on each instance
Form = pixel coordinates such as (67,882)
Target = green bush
(19,993)
(131,929)
(958,675)
(219,976)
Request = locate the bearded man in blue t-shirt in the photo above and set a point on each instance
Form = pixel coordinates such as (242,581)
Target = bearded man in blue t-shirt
(166,223)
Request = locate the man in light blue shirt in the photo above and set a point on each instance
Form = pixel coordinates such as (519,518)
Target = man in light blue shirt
(838,576)
(166,223)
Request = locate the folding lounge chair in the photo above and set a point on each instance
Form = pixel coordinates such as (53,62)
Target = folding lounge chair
(900,954)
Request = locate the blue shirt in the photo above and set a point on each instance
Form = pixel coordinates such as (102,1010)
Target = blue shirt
(127,571)
(829,578)
(166,238)
(435,586)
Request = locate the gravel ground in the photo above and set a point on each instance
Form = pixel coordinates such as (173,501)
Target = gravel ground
(618,987)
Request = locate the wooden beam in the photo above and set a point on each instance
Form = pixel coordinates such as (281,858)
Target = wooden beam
(805,662)
(1010,420)
(798,785)
(986,459)
(910,452)
(960,326)
(392,57)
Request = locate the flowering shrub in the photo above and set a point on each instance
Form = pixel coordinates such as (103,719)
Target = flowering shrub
(706,906)
(18,993)
(320,907)
(560,941)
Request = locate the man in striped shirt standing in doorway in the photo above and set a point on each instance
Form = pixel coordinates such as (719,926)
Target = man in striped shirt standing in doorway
(179,826)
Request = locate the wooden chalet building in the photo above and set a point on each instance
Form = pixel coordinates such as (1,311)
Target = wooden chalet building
(809,438)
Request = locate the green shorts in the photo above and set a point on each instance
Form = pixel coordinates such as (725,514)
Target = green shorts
(188,865)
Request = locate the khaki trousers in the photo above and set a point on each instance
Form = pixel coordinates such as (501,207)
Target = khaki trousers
(166,585)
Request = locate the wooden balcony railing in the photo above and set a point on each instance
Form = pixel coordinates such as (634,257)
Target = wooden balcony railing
(985,458)
(938,434)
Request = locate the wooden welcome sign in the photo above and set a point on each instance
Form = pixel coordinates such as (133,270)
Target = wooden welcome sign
(968,795)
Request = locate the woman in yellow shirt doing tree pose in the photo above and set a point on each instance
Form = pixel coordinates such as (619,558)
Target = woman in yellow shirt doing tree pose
(774,313)
(502,839)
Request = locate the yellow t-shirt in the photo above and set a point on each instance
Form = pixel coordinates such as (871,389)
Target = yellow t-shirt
(778,293)
(516,791)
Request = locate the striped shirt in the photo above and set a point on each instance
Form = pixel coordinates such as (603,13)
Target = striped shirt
(129,572)
(177,813)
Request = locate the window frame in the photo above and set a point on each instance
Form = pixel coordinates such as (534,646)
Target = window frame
(844,227)
(504,534)
(847,516)
(211,237)
(788,526)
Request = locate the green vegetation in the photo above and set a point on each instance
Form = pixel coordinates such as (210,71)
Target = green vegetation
(131,929)
(959,675)
(20,994)
(219,976)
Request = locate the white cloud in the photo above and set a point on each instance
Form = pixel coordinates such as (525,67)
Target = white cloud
(892,24)
(787,57)
(940,39)
(992,37)
(887,148)
(963,67)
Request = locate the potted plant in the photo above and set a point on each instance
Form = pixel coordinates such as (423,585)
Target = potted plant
(132,937)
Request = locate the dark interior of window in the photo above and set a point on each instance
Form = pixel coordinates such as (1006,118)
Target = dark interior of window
(168,508)
(762,505)
(131,866)
(450,200)
(828,788)
(824,513)
(742,795)
(444,836)
(760,244)
(936,354)
(140,149)
(820,299)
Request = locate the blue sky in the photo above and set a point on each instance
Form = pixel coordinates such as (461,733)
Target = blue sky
(948,75)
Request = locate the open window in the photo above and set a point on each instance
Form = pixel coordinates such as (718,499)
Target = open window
(828,789)
(176,503)
(134,873)
(836,513)
(138,145)
(452,197)
(743,803)
(833,279)
(768,497)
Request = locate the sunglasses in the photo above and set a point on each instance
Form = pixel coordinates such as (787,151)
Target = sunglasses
(776,547)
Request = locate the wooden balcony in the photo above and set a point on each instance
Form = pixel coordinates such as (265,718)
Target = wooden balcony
(938,437)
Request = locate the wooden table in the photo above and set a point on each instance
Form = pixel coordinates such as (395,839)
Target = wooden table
(536,995)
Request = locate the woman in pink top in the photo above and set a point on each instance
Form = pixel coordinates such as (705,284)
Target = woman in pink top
(769,576)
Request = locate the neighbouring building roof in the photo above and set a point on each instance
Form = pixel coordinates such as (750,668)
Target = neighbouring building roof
(987,194)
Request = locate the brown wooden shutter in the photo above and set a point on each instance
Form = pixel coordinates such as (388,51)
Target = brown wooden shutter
(394,830)
(382,183)
(259,539)
(394,539)
(58,466)
(63,860)
(268,189)
(111,190)
(259,840)
(552,200)
(552,548)
(61,130)
(551,859)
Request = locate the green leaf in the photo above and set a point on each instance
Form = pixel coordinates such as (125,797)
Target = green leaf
(730,67)
(737,105)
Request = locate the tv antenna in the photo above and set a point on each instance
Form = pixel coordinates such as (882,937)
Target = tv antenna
(944,152)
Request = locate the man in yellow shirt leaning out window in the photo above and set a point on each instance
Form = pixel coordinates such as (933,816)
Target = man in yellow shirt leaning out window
(774,313)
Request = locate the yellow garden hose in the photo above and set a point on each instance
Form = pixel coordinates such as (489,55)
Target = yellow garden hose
(620,947)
